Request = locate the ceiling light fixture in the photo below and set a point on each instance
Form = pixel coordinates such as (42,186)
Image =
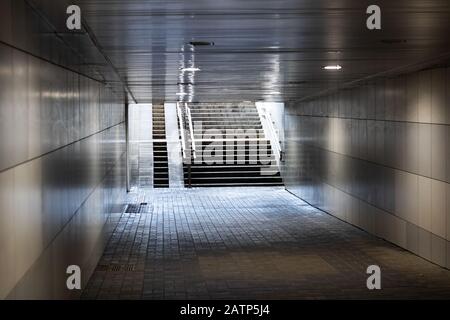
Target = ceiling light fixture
(394,41)
(201,43)
(333,67)
(181,93)
(190,69)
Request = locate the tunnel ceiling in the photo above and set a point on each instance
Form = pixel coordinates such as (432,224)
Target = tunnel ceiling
(263,49)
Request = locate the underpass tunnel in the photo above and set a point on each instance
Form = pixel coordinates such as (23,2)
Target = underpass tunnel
(196,149)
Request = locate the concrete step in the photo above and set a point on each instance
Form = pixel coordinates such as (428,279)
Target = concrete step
(231,174)
(227,126)
(232,133)
(216,185)
(226,120)
(236,114)
(228,167)
(160,159)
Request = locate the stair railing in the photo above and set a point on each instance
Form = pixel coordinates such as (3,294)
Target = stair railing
(188,146)
(181,112)
(182,130)
(191,132)
(272,132)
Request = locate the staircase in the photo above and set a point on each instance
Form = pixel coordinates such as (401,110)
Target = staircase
(231,148)
(160,160)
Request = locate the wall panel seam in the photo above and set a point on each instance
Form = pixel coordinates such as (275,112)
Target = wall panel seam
(60,148)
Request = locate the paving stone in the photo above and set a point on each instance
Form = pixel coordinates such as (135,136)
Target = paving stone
(250,243)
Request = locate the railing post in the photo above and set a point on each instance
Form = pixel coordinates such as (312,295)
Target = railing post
(189,175)
(127,143)
(188,152)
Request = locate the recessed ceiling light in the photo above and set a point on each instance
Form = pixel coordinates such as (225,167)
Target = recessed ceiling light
(333,67)
(201,43)
(394,41)
(190,69)
(181,93)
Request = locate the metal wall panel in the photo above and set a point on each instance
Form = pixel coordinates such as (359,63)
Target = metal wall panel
(62,170)
(384,169)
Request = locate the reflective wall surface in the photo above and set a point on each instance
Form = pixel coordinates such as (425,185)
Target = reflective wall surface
(141,145)
(62,160)
(377,156)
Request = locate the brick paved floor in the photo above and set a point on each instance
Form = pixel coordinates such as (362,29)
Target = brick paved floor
(246,243)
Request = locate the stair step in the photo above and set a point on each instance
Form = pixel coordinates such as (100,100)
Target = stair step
(227,135)
(253,184)
(240,135)
(216,124)
(247,140)
(258,132)
(225,122)
(229,143)
(235,154)
(261,143)
(227,127)
(235,178)
(228,167)
(222,107)
(231,115)
(231,174)
(160,159)
(221,111)
(217,116)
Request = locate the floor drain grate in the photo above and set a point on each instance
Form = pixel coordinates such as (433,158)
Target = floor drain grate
(102,267)
(128,267)
(116,267)
(133,208)
(136,208)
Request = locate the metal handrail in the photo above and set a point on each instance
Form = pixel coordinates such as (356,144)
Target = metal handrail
(187,159)
(181,127)
(191,131)
(273,135)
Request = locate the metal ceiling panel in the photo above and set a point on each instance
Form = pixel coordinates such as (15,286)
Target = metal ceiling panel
(272,50)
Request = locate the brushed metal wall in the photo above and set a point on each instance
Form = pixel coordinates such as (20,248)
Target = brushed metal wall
(62,161)
(141,145)
(377,156)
